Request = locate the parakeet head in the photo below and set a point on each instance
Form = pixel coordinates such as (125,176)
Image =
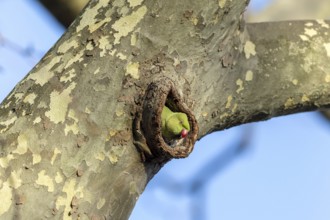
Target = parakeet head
(178,125)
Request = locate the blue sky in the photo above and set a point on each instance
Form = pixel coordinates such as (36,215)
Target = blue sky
(283,173)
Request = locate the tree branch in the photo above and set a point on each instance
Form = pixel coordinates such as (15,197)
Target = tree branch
(284,69)
(66,129)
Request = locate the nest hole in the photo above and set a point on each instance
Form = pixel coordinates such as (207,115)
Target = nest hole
(160,93)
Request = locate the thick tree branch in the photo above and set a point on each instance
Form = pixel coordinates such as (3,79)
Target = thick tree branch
(284,69)
(66,140)
(66,129)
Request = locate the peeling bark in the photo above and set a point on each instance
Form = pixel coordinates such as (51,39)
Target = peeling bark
(66,142)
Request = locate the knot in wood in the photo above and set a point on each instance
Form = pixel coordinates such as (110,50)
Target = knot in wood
(148,123)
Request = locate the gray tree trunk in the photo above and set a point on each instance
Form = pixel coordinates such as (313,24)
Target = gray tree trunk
(67,148)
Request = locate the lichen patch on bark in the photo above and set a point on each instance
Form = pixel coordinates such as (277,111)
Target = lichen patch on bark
(249,49)
(90,15)
(322,23)
(43,75)
(309,24)
(22,144)
(240,88)
(71,59)
(134,3)
(73,127)
(45,180)
(289,103)
(327,78)
(249,75)
(36,158)
(96,26)
(222,3)
(132,69)
(304,37)
(121,56)
(99,156)
(310,32)
(327,48)
(229,99)
(6,198)
(105,46)
(134,38)
(4,161)
(67,45)
(14,179)
(58,178)
(70,190)
(59,103)
(305,98)
(56,152)
(295,82)
(115,154)
(100,203)
(30,98)
(68,76)
(5,124)
(126,24)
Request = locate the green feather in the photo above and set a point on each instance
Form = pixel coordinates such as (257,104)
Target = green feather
(173,123)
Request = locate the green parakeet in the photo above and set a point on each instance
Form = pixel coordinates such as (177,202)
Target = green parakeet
(175,125)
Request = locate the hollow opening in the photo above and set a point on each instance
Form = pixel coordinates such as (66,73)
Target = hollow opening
(176,125)
(161,93)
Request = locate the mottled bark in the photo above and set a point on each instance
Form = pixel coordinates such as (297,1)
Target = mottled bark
(284,69)
(66,142)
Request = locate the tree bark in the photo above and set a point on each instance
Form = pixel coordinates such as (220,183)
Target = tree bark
(66,131)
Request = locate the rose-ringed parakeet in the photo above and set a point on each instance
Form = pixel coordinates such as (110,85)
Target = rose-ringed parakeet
(175,125)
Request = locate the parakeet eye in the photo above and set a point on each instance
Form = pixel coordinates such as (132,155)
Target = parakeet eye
(184,133)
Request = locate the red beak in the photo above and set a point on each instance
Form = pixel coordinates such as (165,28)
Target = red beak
(184,133)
